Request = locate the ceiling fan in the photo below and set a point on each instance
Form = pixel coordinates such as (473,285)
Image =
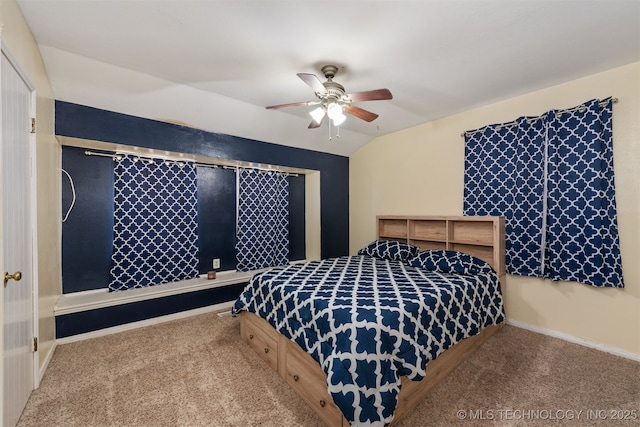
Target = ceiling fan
(333,101)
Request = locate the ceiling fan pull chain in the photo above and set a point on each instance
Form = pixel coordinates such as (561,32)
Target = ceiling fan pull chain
(329,129)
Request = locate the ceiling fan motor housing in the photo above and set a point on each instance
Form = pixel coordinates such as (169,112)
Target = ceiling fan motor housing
(335,91)
(329,71)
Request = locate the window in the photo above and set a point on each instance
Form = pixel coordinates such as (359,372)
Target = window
(552,178)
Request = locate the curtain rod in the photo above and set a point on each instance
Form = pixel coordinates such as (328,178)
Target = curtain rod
(236,168)
(531,119)
(116,156)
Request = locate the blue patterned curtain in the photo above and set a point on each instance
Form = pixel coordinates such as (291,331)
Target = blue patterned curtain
(155,223)
(583,243)
(552,178)
(263,220)
(504,168)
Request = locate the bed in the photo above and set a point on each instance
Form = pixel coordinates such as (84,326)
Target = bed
(364,338)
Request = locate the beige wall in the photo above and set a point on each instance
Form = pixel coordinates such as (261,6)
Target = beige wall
(420,171)
(20,42)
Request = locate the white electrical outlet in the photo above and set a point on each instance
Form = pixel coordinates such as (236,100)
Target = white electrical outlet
(216,263)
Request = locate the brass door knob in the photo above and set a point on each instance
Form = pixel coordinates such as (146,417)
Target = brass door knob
(15,276)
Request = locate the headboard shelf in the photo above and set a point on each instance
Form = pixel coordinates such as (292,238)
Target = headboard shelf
(435,230)
(481,236)
(393,228)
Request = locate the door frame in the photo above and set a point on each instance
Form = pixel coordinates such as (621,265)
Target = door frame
(4,50)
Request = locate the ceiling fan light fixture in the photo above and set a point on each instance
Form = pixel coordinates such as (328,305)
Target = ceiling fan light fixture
(338,119)
(317,114)
(334,110)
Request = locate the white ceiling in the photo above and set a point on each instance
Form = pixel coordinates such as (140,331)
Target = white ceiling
(216,64)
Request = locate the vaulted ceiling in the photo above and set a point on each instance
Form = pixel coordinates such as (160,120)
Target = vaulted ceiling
(216,64)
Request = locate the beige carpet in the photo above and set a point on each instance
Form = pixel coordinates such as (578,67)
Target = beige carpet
(197,372)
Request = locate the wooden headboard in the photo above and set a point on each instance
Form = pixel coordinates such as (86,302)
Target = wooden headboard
(480,236)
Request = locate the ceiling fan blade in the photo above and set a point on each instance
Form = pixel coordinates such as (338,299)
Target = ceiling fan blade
(360,113)
(313,81)
(369,95)
(293,104)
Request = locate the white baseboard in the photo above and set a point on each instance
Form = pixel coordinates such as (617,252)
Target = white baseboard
(575,340)
(147,322)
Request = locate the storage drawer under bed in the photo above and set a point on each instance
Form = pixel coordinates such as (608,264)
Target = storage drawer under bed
(306,377)
(263,340)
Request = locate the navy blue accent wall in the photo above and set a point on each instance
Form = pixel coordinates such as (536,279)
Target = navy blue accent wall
(80,121)
(297,237)
(216,217)
(87,236)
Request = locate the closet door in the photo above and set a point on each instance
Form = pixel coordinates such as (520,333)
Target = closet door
(16,243)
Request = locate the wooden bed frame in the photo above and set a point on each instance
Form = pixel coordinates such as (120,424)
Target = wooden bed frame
(482,237)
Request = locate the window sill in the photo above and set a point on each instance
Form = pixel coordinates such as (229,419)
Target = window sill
(90,300)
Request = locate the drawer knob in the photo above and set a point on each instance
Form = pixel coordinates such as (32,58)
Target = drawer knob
(250,336)
(266,350)
(323,403)
(296,378)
